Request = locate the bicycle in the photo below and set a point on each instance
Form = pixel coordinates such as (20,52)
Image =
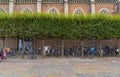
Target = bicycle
(2,56)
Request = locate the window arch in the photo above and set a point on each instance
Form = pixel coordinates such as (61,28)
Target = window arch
(78,11)
(53,11)
(104,11)
(2,10)
(27,11)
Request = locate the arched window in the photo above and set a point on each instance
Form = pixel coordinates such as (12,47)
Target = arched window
(104,11)
(53,11)
(27,11)
(2,10)
(78,11)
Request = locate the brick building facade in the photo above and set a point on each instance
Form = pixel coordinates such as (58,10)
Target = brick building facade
(60,6)
(57,7)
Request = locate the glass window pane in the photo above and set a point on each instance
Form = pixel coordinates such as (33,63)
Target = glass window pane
(27,11)
(78,12)
(104,11)
(53,11)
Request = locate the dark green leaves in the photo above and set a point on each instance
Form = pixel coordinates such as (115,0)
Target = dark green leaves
(64,27)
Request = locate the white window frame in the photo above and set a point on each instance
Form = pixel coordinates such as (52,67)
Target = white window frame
(54,9)
(77,10)
(24,9)
(3,10)
(106,9)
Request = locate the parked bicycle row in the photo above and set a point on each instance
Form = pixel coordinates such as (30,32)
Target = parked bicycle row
(77,51)
(56,51)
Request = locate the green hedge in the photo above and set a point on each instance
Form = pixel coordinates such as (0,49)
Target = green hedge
(64,27)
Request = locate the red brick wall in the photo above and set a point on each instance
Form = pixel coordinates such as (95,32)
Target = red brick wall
(111,7)
(20,7)
(1,43)
(59,7)
(48,42)
(9,42)
(71,43)
(5,6)
(84,7)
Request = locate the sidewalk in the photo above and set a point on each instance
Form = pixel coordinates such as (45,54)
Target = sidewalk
(61,67)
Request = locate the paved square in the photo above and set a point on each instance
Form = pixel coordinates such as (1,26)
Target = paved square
(61,67)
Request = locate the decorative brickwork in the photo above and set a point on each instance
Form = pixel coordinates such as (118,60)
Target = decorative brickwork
(79,1)
(25,1)
(106,1)
(21,7)
(62,6)
(5,7)
(52,1)
(100,6)
(58,7)
(73,7)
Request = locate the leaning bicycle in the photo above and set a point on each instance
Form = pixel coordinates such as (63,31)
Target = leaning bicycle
(1,56)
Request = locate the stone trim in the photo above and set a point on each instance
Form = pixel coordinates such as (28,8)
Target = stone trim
(106,1)
(79,1)
(25,1)
(66,7)
(11,6)
(39,6)
(52,1)
(92,6)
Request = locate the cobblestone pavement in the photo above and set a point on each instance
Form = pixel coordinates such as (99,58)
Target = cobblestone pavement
(61,67)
